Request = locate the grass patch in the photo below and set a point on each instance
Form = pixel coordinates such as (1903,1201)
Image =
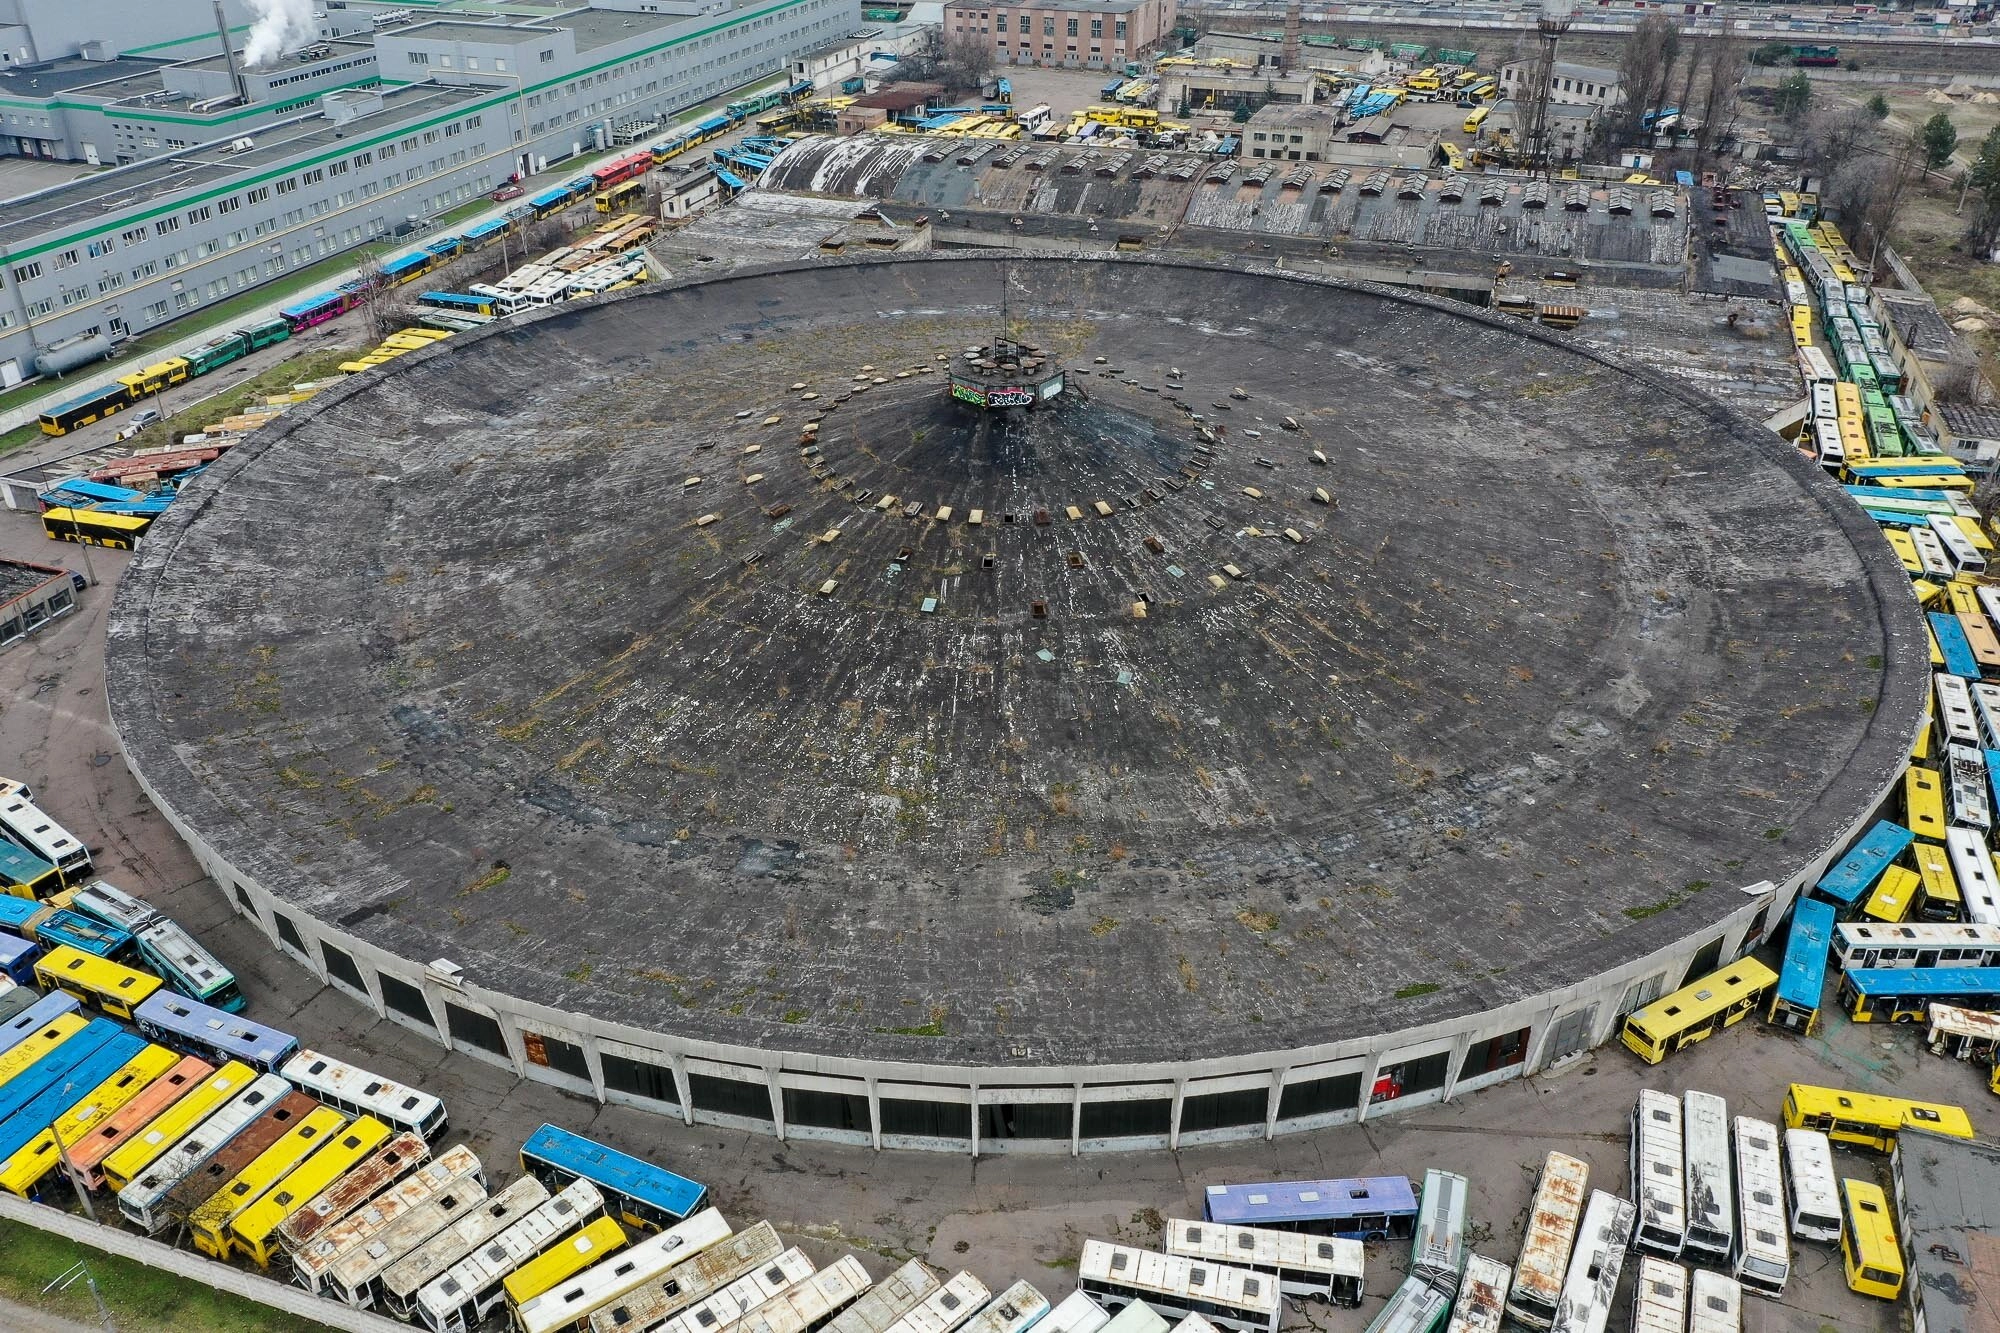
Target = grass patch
(140,1299)
(934,1028)
(318,364)
(492,879)
(1418,988)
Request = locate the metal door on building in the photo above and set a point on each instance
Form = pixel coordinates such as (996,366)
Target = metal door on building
(1570,1035)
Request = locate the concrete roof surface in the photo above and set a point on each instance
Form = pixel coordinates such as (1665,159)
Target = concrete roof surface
(455,660)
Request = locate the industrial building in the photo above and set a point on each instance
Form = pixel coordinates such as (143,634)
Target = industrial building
(850,763)
(220,191)
(1092,34)
(32,596)
(1947,1194)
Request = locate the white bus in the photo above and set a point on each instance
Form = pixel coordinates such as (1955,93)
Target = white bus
(356,1276)
(1138,1317)
(1986,707)
(1074,1313)
(359,1093)
(1968,803)
(1815,369)
(1812,1194)
(1231,1297)
(1545,1250)
(1827,444)
(313,1263)
(1964,555)
(659,1299)
(1437,1251)
(735,1299)
(1930,554)
(1958,1033)
(1659,1297)
(469,1290)
(1763,1259)
(1482,1296)
(1716,1305)
(946,1308)
(1711,1203)
(1915,944)
(1954,718)
(1330,1268)
(1014,1310)
(1972,867)
(1599,1257)
(402,1280)
(888,1300)
(114,907)
(1659,1182)
(30,829)
(570,1302)
(808,1305)
(144,1198)
(1825,405)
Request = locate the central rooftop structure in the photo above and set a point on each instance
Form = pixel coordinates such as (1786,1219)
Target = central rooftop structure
(1334,701)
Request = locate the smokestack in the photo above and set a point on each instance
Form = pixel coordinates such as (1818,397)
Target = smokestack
(241,89)
(1291,51)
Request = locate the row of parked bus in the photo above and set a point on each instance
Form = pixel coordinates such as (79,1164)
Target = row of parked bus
(1910,913)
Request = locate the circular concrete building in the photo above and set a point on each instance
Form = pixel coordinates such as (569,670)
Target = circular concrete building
(1325,702)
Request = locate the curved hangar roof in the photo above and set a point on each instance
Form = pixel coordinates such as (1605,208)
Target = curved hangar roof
(553,652)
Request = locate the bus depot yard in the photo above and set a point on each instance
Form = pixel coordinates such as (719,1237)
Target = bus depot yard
(1016,1214)
(1025,708)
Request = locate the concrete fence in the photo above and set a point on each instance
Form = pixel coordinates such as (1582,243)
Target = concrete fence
(187,1264)
(1906,78)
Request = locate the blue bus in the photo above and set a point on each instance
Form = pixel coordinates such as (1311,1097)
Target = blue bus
(1851,877)
(40,1111)
(17,959)
(485,233)
(637,1193)
(1905,994)
(50,926)
(443,248)
(1368,1208)
(548,201)
(1958,658)
(25,875)
(194,1028)
(1795,1006)
(407,268)
(53,1069)
(36,1017)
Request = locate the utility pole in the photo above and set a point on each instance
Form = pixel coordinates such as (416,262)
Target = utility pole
(69,1167)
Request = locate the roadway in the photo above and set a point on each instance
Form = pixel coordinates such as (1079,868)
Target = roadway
(108,371)
(1750,21)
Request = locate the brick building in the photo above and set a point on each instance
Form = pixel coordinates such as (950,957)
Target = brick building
(1091,34)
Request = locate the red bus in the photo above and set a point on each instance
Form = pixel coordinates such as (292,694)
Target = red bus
(623,169)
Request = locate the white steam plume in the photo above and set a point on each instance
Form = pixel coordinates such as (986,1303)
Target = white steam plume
(277,26)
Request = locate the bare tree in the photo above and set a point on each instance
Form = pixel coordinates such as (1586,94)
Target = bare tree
(969,58)
(1644,68)
(1726,62)
(1833,136)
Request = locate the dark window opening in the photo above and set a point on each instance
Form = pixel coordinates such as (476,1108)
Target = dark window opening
(638,1078)
(1319,1095)
(405,999)
(728,1096)
(342,968)
(1220,1110)
(926,1120)
(827,1110)
(474,1029)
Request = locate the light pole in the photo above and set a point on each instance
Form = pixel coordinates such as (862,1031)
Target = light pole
(69,1167)
(66,1279)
